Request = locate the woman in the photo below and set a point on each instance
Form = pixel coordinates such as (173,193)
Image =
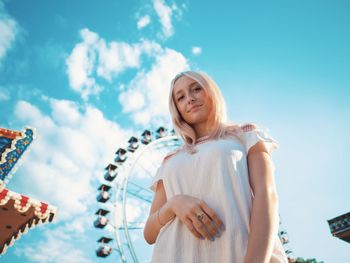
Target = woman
(215,197)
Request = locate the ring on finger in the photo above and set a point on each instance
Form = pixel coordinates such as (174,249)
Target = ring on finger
(200,216)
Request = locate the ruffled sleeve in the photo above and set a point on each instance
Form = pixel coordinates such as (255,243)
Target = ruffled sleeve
(250,138)
(158,176)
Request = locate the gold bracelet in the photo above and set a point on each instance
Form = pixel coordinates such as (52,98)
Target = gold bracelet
(158,217)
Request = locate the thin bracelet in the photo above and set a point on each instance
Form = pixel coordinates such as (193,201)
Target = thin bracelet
(159,220)
(158,217)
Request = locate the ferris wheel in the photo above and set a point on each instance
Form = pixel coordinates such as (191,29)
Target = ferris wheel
(125,197)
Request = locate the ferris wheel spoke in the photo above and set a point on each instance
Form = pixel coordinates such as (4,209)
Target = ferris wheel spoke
(150,174)
(140,192)
(134,225)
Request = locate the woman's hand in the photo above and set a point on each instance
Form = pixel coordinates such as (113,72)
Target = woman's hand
(186,208)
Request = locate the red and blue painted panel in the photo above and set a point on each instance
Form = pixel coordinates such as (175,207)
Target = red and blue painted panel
(12,146)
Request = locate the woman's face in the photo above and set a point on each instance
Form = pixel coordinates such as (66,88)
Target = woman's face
(192,101)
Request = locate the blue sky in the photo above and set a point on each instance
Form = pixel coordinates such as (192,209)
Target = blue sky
(89,75)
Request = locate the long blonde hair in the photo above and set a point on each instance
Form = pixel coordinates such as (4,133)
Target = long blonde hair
(221,129)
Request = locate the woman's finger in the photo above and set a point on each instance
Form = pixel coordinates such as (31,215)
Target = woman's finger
(199,225)
(192,229)
(210,225)
(212,215)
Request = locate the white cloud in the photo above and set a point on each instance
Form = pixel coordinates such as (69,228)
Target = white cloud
(143,97)
(94,57)
(56,247)
(143,22)
(134,209)
(154,86)
(132,100)
(142,117)
(115,57)
(196,50)
(178,12)
(164,13)
(26,113)
(80,65)
(65,112)
(8,32)
(78,226)
(68,155)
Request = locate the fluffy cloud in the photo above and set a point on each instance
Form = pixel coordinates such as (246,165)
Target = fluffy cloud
(58,247)
(152,88)
(95,58)
(80,65)
(74,143)
(8,31)
(115,57)
(132,100)
(196,50)
(165,13)
(143,22)
(143,97)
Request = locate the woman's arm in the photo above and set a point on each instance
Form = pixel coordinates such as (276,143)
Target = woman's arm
(154,221)
(264,214)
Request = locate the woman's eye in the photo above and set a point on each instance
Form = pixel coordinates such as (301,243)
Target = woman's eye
(180,98)
(197,88)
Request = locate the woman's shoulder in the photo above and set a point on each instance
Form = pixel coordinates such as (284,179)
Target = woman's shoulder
(239,131)
(241,128)
(171,154)
(248,127)
(238,128)
(251,134)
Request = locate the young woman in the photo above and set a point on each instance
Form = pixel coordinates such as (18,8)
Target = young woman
(215,197)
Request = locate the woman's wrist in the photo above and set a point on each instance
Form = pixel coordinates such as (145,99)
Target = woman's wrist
(165,213)
(158,218)
(172,203)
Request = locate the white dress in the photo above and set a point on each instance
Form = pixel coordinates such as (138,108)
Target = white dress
(218,174)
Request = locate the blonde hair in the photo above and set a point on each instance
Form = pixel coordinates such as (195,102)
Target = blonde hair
(221,129)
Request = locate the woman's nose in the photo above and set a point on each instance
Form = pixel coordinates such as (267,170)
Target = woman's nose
(191,98)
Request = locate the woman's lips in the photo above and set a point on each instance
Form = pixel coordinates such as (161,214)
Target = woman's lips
(194,108)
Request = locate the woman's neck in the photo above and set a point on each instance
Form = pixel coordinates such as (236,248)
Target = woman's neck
(203,130)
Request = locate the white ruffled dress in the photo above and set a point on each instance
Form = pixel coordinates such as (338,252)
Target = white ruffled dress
(218,174)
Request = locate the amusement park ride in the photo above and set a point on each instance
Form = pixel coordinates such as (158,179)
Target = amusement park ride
(128,179)
(18,213)
(340,227)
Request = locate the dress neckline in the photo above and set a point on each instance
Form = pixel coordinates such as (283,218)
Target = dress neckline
(202,139)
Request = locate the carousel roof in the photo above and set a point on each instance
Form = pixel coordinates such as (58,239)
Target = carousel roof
(340,227)
(18,214)
(12,146)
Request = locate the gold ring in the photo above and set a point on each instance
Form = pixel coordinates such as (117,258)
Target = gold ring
(200,216)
